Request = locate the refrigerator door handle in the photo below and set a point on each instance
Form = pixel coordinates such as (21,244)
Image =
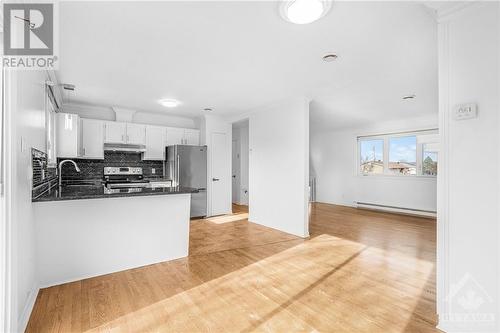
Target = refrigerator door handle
(178,170)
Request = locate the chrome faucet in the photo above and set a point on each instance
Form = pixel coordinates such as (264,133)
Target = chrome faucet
(60,169)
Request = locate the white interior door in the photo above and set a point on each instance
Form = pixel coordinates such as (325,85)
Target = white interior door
(220,172)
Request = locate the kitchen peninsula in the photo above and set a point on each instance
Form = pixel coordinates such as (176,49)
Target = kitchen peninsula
(83,232)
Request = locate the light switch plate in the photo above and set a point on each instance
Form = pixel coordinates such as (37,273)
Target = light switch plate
(153,171)
(465,111)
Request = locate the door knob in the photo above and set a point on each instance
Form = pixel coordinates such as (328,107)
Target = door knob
(234,176)
(215,179)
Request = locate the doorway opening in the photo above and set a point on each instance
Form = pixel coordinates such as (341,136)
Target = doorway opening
(240,164)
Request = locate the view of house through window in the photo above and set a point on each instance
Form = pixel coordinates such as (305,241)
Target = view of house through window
(407,154)
(403,155)
(372,156)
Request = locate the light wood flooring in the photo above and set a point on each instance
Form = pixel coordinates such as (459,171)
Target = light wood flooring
(360,271)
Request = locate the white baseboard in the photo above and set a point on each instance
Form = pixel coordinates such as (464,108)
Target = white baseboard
(28,308)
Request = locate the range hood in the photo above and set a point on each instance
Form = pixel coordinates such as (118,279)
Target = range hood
(124,147)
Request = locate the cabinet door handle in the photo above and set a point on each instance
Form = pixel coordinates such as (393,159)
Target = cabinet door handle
(84,154)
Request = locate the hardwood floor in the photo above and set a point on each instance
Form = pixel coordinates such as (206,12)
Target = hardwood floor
(360,271)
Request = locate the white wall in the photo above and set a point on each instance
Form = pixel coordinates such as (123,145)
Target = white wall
(107,113)
(210,124)
(279,166)
(26,105)
(334,164)
(468,189)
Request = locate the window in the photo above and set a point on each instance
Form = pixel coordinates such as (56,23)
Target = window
(429,159)
(372,156)
(50,124)
(401,154)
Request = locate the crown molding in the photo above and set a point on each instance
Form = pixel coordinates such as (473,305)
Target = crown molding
(452,9)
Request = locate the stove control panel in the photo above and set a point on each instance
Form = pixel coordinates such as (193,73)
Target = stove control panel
(122,171)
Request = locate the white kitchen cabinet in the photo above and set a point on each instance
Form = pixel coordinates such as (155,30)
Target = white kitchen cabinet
(182,136)
(68,135)
(191,137)
(175,136)
(155,143)
(92,132)
(115,132)
(136,134)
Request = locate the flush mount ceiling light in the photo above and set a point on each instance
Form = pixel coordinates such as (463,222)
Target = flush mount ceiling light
(169,102)
(330,57)
(304,11)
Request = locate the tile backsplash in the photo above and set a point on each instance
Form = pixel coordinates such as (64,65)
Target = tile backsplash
(93,169)
(43,176)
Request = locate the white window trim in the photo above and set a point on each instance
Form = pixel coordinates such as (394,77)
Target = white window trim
(385,137)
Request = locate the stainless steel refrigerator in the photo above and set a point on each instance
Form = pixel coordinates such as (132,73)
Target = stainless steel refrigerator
(187,167)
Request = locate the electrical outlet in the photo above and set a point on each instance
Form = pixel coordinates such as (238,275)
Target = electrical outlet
(153,171)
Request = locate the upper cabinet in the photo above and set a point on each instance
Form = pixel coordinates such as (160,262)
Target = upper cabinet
(115,132)
(68,135)
(192,137)
(155,143)
(182,136)
(175,136)
(92,132)
(85,138)
(136,134)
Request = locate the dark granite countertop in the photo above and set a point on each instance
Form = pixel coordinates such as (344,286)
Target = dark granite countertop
(94,191)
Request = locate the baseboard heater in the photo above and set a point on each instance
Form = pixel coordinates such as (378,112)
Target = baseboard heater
(394,209)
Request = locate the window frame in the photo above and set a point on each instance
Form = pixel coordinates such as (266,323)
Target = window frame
(386,147)
(50,130)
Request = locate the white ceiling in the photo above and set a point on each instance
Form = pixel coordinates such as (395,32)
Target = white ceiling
(235,56)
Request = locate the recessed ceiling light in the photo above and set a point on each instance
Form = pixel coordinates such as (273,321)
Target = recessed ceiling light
(304,11)
(169,102)
(208,109)
(409,96)
(330,57)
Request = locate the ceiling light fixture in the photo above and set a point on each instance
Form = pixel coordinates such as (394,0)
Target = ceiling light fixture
(169,102)
(330,57)
(304,11)
(208,109)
